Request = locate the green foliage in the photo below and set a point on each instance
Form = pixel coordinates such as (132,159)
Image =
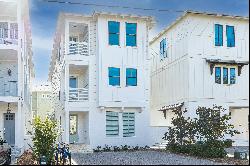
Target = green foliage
(107,148)
(228,143)
(210,128)
(45,134)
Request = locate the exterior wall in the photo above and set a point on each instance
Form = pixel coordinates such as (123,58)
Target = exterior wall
(190,81)
(122,57)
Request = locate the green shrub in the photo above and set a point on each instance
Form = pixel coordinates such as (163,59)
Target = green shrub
(44,138)
(228,143)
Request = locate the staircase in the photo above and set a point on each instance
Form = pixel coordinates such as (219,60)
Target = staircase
(80,148)
(160,146)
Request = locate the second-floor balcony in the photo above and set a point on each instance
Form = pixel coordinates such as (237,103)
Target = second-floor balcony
(8,34)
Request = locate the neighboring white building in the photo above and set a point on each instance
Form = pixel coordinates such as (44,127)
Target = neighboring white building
(41,101)
(100,76)
(16,71)
(202,59)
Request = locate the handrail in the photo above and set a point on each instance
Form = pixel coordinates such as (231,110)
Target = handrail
(80,48)
(78,94)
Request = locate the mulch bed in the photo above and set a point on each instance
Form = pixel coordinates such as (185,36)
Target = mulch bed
(27,158)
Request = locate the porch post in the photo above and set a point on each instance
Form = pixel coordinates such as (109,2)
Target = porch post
(67,125)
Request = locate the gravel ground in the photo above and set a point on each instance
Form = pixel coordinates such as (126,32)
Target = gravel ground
(139,158)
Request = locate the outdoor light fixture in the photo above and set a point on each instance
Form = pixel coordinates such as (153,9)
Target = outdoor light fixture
(9,72)
(8,109)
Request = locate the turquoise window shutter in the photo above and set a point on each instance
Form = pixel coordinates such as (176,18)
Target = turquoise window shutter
(128,124)
(131,29)
(218,35)
(232,76)
(230,36)
(131,77)
(114,32)
(114,76)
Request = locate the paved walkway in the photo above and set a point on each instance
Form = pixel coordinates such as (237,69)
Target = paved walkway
(138,158)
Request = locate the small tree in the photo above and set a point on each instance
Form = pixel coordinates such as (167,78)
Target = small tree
(212,124)
(44,138)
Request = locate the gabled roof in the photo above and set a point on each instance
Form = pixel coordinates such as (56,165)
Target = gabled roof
(188,12)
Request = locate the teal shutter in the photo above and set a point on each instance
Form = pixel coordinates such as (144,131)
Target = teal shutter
(230,36)
(131,29)
(131,77)
(112,123)
(218,35)
(114,32)
(114,76)
(128,124)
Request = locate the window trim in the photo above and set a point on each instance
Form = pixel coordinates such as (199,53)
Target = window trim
(119,33)
(136,33)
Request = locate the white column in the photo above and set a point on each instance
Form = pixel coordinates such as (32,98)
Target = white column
(66,125)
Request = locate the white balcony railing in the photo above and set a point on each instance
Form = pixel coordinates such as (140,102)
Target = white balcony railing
(78,94)
(8,88)
(80,48)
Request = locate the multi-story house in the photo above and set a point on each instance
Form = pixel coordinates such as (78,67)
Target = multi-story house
(41,101)
(202,59)
(16,71)
(100,69)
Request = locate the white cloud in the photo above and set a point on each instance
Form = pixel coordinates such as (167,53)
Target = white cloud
(43,43)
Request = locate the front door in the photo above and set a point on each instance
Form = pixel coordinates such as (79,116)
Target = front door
(9,126)
(73,129)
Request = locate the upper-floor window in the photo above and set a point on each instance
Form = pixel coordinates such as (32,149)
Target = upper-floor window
(232,76)
(163,48)
(131,34)
(229,76)
(225,75)
(114,32)
(218,35)
(230,36)
(131,77)
(218,75)
(114,76)
(13,30)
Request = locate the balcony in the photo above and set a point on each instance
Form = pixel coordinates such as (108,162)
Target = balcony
(78,94)
(8,36)
(8,88)
(78,48)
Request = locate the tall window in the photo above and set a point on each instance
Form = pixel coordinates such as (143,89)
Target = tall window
(218,75)
(163,48)
(218,35)
(131,77)
(232,76)
(225,75)
(128,124)
(114,32)
(230,36)
(114,76)
(3,30)
(131,34)
(112,123)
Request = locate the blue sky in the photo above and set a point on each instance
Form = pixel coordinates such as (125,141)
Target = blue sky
(44,16)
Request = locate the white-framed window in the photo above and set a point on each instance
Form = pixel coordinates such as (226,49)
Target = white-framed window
(112,124)
(128,119)
(225,75)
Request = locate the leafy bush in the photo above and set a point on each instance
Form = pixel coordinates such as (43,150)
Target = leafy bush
(45,135)
(107,148)
(210,128)
(228,143)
